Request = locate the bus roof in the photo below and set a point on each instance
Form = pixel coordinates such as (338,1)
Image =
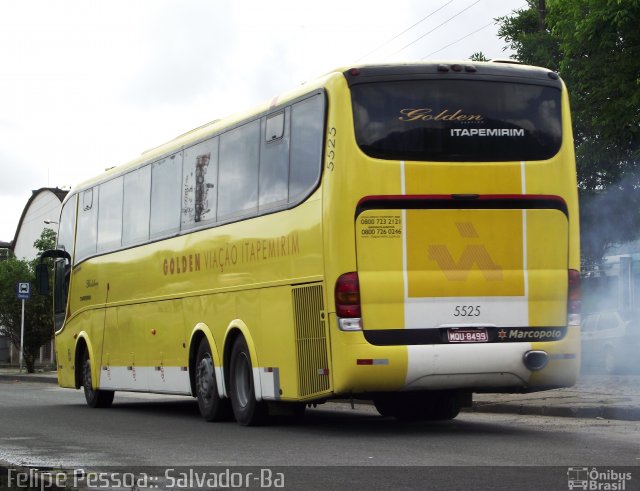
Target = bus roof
(202,132)
(498,67)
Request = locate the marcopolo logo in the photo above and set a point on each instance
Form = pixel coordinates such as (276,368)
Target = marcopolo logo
(535,334)
(597,480)
(518,334)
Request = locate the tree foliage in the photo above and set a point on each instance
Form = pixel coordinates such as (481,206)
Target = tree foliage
(478,56)
(38,322)
(526,33)
(47,240)
(595,46)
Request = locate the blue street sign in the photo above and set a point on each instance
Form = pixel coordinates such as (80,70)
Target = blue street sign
(24,291)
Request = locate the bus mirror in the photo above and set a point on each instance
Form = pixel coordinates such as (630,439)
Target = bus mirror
(42,270)
(42,279)
(56,254)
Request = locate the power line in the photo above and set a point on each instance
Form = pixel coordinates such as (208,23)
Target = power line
(407,29)
(437,27)
(458,40)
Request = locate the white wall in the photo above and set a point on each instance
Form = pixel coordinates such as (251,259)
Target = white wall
(45,206)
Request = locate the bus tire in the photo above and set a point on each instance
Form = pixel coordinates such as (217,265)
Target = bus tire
(95,398)
(385,406)
(212,406)
(442,408)
(246,409)
(402,406)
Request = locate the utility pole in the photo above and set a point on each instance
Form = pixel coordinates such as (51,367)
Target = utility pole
(22,336)
(23,291)
(542,12)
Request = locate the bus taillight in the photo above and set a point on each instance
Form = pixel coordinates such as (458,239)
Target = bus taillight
(574,298)
(347,297)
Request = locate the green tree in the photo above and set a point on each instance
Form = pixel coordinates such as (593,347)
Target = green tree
(38,322)
(478,56)
(595,46)
(47,240)
(600,44)
(527,33)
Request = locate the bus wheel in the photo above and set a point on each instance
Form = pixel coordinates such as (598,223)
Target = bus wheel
(385,406)
(443,407)
(403,406)
(94,397)
(247,411)
(212,406)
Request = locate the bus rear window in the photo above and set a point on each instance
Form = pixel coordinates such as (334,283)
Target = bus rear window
(457,120)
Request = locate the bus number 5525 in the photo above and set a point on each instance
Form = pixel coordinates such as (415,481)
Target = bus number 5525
(467,311)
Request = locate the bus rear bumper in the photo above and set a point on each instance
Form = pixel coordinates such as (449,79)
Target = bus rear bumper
(360,367)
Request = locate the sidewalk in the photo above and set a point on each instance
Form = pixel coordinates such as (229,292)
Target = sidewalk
(14,375)
(594,396)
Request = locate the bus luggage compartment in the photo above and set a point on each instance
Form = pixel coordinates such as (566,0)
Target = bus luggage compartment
(452,274)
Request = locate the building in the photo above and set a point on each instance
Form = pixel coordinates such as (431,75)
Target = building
(41,211)
(6,250)
(615,283)
(43,206)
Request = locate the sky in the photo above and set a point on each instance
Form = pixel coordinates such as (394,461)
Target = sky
(87,85)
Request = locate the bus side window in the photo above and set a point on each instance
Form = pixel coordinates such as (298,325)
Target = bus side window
(166,191)
(274,161)
(307,119)
(61,273)
(110,215)
(274,127)
(62,267)
(238,188)
(137,203)
(200,184)
(87,234)
(67,226)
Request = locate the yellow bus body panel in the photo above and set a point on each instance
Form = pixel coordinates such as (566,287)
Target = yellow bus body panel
(154,296)
(272,277)
(512,252)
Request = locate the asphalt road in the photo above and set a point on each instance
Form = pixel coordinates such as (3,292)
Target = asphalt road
(45,426)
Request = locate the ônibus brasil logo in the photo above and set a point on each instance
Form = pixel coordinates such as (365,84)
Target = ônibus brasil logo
(594,479)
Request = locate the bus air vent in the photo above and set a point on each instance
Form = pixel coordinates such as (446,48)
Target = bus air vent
(311,340)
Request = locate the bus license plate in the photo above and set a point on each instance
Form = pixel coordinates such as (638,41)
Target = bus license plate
(468,335)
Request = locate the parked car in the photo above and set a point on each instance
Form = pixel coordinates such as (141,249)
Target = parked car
(611,341)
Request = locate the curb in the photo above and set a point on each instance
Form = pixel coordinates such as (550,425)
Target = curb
(593,412)
(29,377)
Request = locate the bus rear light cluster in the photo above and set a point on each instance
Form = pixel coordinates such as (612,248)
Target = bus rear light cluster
(347,298)
(574,298)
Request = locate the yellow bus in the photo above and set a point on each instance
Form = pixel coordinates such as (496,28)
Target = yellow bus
(403,233)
